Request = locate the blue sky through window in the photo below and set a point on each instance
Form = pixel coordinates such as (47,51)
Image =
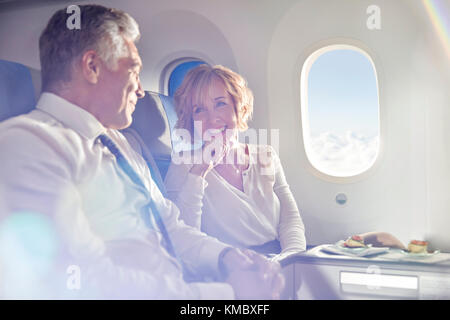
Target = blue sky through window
(342,94)
(343,113)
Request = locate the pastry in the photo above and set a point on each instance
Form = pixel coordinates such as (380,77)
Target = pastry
(417,246)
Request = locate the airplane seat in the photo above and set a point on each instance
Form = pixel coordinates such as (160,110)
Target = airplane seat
(19,88)
(150,132)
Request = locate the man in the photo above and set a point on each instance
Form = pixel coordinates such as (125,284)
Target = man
(67,161)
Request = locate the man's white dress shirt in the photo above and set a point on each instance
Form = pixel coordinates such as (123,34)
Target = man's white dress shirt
(53,164)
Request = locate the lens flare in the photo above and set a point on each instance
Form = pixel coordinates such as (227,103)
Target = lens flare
(28,245)
(439,16)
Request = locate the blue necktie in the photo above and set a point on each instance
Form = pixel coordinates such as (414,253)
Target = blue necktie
(126,167)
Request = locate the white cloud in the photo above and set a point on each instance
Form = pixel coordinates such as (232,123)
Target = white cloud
(342,155)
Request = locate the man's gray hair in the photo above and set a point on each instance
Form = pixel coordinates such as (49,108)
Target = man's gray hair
(101,29)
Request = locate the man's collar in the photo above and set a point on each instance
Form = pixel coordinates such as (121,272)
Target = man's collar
(70,115)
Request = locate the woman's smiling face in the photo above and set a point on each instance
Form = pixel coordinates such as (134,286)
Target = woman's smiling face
(215,111)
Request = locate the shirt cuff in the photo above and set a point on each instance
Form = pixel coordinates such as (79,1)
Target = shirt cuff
(196,181)
(193,191)
(211,252)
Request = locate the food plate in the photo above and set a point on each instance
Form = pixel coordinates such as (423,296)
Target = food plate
(339,248)
(420,255)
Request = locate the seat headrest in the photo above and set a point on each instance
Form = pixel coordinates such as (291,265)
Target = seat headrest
(17,91)
(151,121)
(154,119)
(169,107)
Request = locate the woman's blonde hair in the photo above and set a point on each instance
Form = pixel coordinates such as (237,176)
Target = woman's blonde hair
(195,86)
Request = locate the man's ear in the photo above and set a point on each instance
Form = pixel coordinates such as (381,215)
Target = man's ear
(90,66)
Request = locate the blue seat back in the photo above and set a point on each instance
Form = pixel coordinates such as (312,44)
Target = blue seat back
(17,92)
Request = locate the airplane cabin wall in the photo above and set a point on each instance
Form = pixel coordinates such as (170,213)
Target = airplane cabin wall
(405,191)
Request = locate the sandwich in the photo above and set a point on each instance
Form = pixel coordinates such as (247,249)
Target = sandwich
(354,242)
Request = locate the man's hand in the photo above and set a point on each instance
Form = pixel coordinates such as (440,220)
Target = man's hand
(252,276)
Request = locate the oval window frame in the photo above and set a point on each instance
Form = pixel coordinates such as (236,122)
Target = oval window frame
(307,61)
(167,70)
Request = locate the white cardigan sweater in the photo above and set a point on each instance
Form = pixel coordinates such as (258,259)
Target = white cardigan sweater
(266,210)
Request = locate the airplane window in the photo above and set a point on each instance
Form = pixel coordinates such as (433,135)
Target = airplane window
(340,111)
(177,75)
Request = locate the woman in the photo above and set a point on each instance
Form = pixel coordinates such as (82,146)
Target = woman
(237,192)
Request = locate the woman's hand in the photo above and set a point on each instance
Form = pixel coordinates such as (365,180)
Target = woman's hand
(212,154)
